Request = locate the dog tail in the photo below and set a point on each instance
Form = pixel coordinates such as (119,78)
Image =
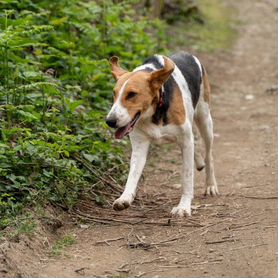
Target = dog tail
(207,88)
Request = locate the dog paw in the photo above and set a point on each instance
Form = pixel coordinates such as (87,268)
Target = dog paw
(180,212)
(121,204)
(200,167)
(211,190)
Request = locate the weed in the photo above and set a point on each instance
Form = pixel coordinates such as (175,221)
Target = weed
(61,244)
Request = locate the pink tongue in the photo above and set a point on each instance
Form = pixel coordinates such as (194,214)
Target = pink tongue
(122,131)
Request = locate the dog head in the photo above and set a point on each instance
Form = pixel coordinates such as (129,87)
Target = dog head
(136,95)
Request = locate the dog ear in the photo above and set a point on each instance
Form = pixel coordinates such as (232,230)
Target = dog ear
(117,71)
(159,77)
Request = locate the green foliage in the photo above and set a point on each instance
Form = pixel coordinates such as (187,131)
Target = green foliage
(55,89)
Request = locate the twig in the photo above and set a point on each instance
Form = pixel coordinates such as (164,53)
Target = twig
(220,241)
(140,274)
(248,246)
(152,261)
(260,197)
(109,240)
(238,227)
(188,234)
(101,219)
(187,265)
(81,270)
(96,172)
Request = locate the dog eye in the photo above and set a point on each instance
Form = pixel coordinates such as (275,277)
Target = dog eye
(131,95)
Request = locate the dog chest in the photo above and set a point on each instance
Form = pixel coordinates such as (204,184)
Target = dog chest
(161,134)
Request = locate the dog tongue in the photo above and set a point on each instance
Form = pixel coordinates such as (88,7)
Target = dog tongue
(122,131)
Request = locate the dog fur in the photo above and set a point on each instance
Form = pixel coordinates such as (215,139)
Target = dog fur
(164,100)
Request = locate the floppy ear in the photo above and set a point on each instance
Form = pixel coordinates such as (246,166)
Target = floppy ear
(159,77)
(117,71)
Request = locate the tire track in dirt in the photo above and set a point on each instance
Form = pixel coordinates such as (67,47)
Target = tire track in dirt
(233,235)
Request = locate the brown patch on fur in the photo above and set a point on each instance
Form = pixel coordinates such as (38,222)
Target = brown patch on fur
(176,112)
(139,83)
(207,89)
(120,83)
(146,85)
(117,71)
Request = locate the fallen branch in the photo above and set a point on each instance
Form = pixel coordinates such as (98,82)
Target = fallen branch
(109,240)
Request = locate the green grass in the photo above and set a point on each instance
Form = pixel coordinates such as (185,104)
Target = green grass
(61,244)
(217,32)
(22,224)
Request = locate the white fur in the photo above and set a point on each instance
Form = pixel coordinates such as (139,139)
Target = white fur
(138,159)
(142,67)
(160,59)
(205,125)
(198,63)
(118,111)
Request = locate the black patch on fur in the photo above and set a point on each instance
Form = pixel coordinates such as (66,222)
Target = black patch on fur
(167,94)
(168,88)
(191,72)
(154,61)
(147,69)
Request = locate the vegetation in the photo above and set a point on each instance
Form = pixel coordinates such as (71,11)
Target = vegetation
(60,244)
(55,89)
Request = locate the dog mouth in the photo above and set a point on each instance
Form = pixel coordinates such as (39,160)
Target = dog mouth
(125,130)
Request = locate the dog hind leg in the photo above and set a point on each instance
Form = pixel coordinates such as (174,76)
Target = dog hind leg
(204,122)
(198,158)
(187,174)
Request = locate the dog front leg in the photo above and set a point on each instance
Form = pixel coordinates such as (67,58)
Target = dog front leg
(140,148)
(187,175)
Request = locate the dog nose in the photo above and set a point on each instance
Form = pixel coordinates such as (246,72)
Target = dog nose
(111,122)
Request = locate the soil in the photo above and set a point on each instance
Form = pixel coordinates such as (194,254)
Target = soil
(230,235)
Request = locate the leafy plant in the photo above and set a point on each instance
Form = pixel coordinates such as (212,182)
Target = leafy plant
(55,89)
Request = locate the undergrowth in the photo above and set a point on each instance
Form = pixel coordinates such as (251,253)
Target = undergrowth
(55,89)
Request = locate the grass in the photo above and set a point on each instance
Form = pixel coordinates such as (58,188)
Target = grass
(61,244)
(216,32)
(23,224)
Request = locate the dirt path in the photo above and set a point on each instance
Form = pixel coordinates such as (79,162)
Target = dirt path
(233,235)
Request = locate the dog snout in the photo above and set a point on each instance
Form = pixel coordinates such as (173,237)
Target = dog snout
(112,122)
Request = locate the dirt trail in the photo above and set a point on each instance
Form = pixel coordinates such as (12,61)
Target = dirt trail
(232,235)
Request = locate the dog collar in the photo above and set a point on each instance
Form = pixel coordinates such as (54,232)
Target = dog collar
(161,100)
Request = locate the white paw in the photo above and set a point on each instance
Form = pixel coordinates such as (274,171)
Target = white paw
(200,163)
(212,190)
(122,203)
(181,212)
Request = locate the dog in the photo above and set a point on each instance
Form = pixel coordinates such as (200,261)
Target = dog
(164,100)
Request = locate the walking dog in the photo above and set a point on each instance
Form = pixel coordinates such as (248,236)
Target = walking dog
(160,102)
